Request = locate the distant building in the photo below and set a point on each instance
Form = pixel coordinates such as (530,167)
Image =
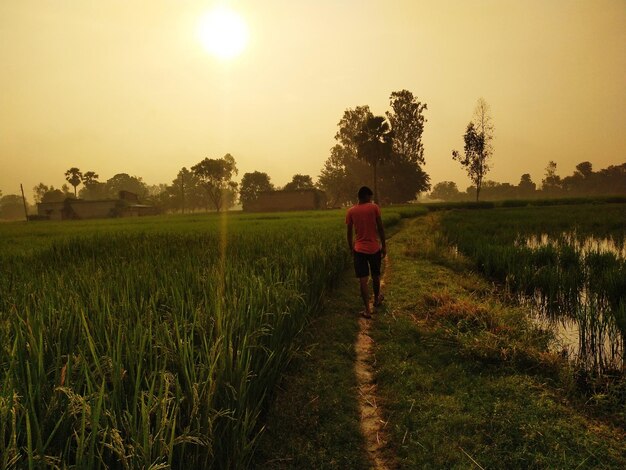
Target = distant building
(296,200)
(126,206)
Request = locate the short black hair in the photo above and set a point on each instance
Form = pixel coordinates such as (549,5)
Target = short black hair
(364,192)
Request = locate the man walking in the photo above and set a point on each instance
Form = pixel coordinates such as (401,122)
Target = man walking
(368,249)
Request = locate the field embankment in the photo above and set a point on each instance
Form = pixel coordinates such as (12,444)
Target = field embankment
(464,376)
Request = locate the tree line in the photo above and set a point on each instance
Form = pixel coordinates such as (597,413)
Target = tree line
(383,151)
(583,182)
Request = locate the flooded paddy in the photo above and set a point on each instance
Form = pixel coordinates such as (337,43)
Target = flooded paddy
(568,264)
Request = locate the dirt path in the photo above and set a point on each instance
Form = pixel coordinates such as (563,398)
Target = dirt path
(372,422)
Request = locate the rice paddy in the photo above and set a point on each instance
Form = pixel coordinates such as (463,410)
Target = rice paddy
(568,263)
(159,342)
(156,342)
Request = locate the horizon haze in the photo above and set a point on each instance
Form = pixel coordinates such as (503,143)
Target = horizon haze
(129,87)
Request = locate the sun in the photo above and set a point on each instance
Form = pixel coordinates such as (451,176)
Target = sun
(223,33)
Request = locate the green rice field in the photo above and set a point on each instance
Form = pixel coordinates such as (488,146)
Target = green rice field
(154,342)
(159,342)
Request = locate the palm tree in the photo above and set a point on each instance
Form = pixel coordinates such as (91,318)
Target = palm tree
(73,176)
(374,145)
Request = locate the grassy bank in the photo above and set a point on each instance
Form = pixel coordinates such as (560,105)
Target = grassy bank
(467,380)
(464,379)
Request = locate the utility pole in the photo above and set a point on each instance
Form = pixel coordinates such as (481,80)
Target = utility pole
(24,201)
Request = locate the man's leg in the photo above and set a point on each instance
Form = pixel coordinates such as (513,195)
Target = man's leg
(365,294)
(376,287)
(361,269)
(375,262)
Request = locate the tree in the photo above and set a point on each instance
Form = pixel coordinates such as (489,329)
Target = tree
(74,177)
(125,182)
(407,122)
(252,184)
(54,195)
(343,173)
(39,191)
(350,125)
(374,145)
(585,169)
(185,193)
(299,182)
(215,176)
(551,182)
(401,178)
(341,176)
(613,179)
(446,190)
(526,187)
(90,177)
(473,160)
(92,188)
(94,191)
(583,182)
(478,148)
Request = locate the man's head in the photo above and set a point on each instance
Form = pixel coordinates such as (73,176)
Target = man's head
(365,194)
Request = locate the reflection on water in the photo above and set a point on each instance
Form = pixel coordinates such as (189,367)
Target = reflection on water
(582,245)
(593,346)
(578,301)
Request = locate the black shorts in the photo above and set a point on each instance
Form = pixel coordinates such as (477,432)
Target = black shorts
(364,263)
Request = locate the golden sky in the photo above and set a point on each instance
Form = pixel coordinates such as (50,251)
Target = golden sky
(125,85)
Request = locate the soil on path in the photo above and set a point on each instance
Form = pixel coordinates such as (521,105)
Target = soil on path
(372,421)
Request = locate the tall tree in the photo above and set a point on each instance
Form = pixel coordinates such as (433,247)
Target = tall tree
(299,182)
(472,159)
(407,122)
(551,183)
(252,184)
(375,145)
(401,178)
(343,173)
(478,147)
(215,175)
(74,177)
(350,125)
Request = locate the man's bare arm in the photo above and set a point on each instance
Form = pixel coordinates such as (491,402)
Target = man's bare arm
(381,235)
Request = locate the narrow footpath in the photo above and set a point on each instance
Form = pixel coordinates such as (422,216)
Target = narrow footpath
(372,416)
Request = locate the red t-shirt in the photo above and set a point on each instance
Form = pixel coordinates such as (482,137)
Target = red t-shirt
(363,218)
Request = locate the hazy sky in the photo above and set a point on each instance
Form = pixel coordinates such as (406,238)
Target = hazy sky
(125,85)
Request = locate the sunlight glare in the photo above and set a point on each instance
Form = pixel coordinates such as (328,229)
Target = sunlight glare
(223,33)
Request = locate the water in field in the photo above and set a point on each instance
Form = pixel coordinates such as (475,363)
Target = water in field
(577,301)
(582,245)
(592,346)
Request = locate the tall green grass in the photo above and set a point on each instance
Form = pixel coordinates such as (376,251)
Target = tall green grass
(565,282)
(154,343)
